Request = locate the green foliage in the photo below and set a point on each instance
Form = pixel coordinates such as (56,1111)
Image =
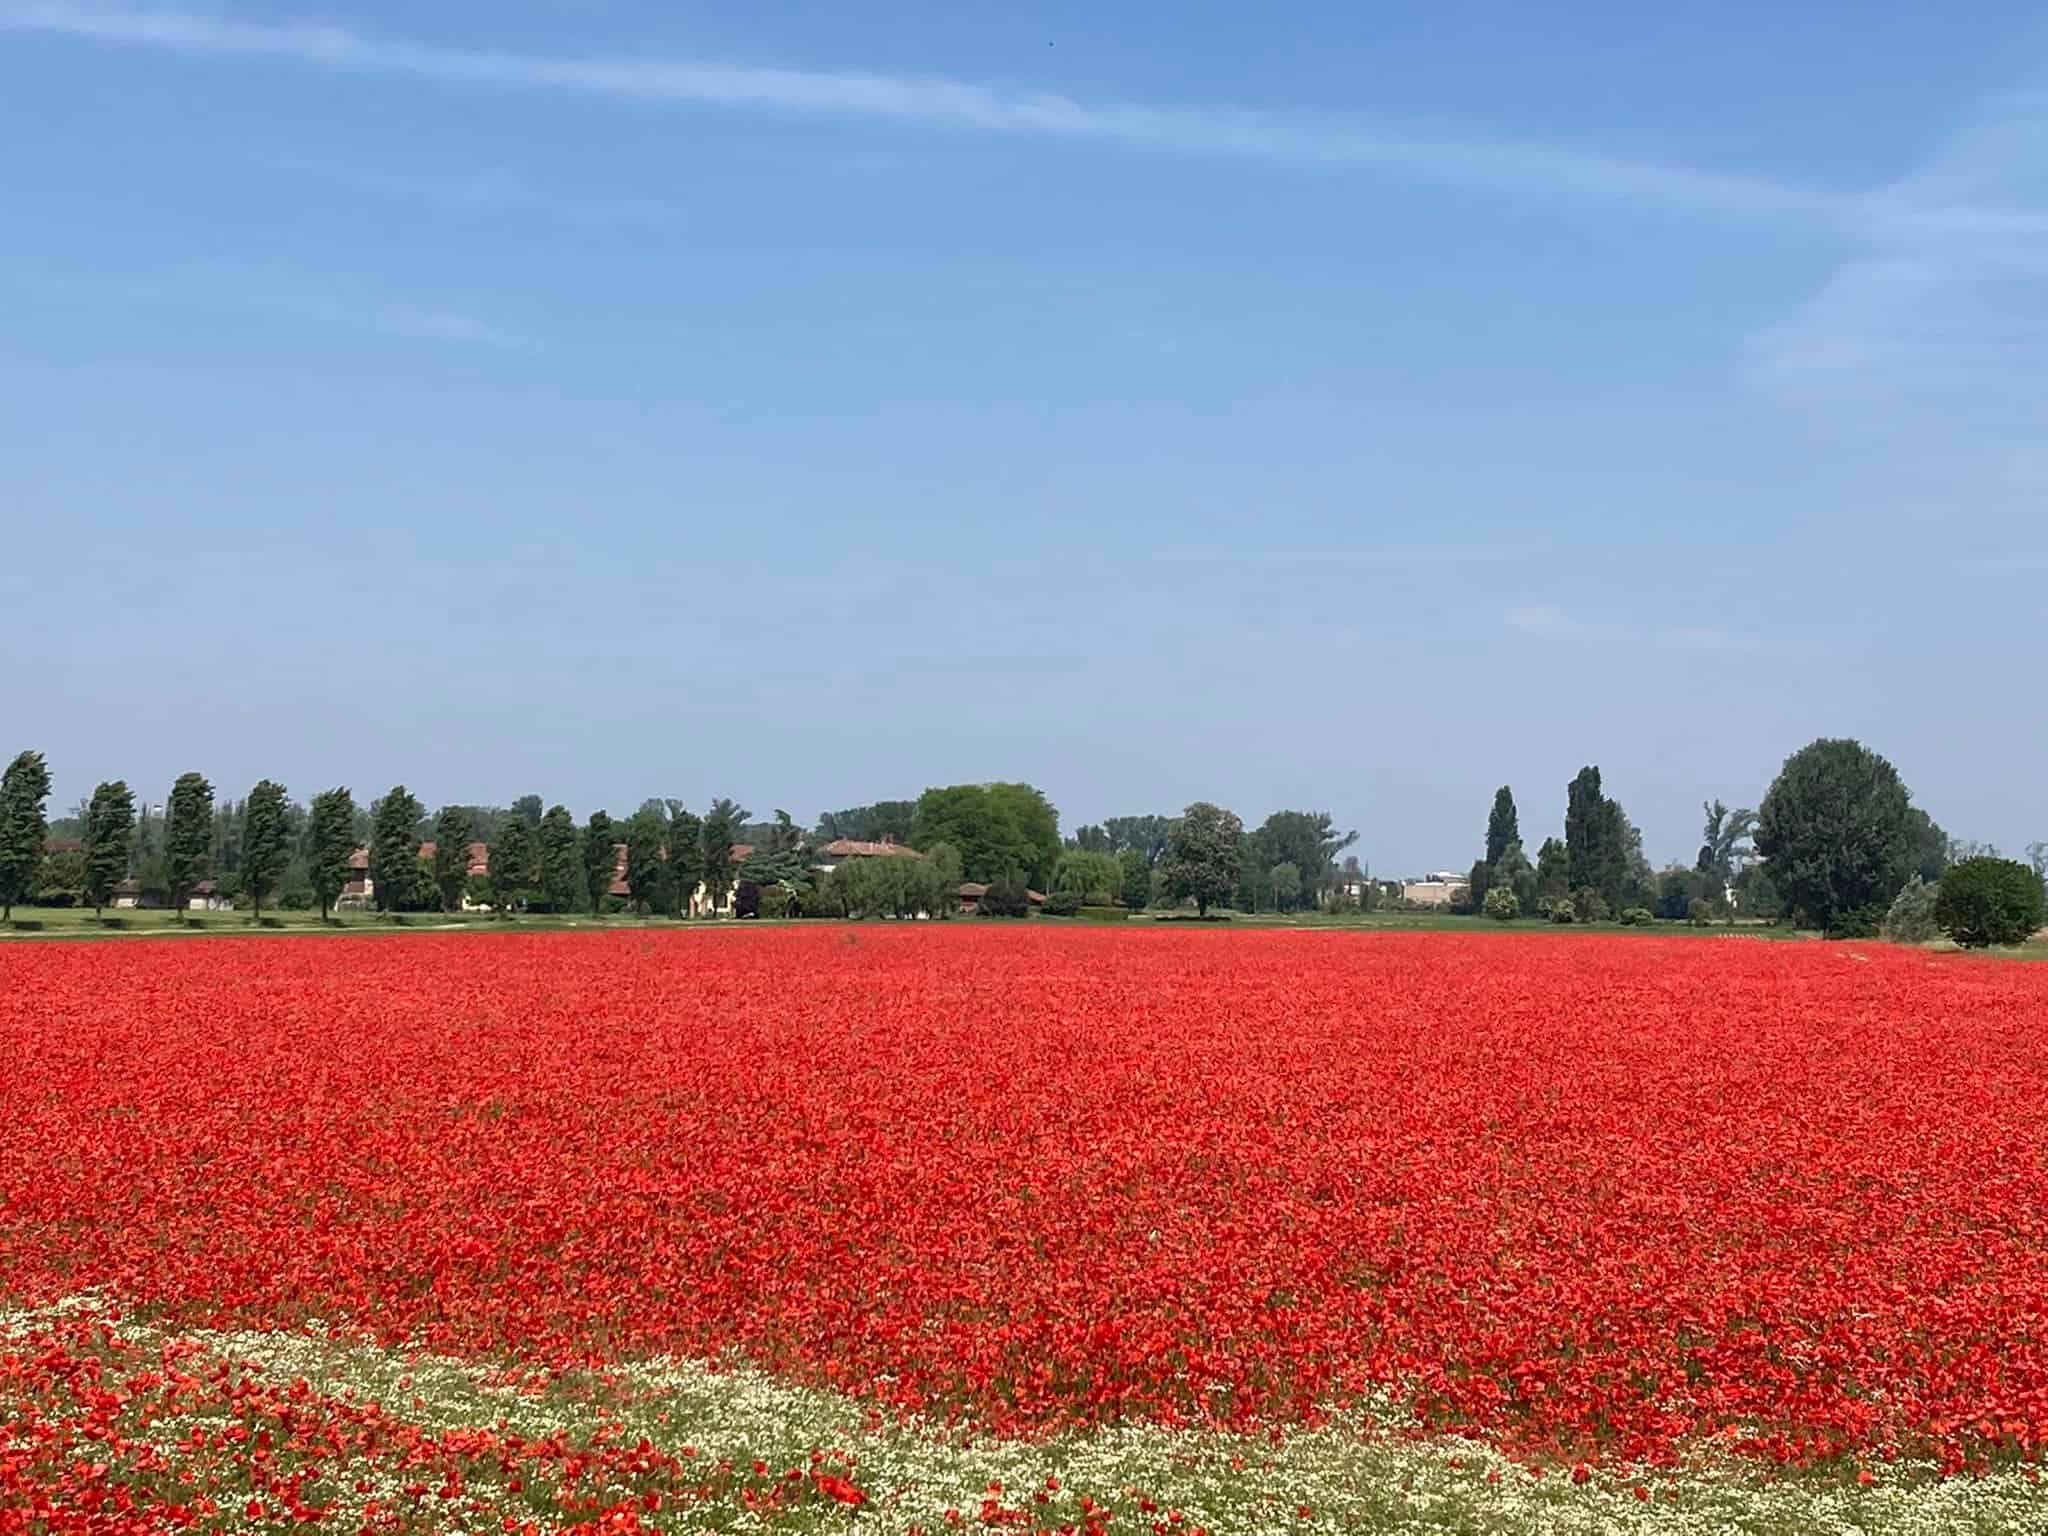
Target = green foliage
(1309,841)
(645,867)
(1911,917)
(683,848)
(897,887)
(1147,835)
(1202,855)
(1001,830)
(1005,898)
(560,869)
(1699,912)
(1562,910)
(1503,825)
(107,834)
(527,809)
(395,850)
(1837,833)
(60,880)
(514,865)
(1931,846)
(1095,877)
(330,839)
(1553,869)
(600,860)
(1512,870)
(1063,904)
(1284,880)
(266,843)
(1598,842)
(1985,901)
(1134,879)
(1501,904)
(721,827)
(1589,906)
(884,821)
(24,788)
(188,838)
(1724,834)
(1637,917)
(452,836)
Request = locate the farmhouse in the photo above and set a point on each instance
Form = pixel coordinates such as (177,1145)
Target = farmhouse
(841,849)
(1436,890)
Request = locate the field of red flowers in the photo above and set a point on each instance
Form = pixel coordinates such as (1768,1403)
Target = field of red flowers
(1591,1199)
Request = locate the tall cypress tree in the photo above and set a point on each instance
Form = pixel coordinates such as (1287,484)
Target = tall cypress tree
(451,855)
(600,860)
(1586,827)
(395,850)
(1503,826)
(188,838)
(685,858)
(561,872)
(23,824)
(330,842)
(512,864)
(266,843)
(109,827)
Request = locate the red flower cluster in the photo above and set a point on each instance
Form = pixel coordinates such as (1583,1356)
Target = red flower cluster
(1593,1198)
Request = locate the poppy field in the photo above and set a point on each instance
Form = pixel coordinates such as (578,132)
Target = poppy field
(979,1226)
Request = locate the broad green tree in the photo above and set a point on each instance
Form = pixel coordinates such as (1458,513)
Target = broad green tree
(1553,870)
(884,821)
(1202,855)
(1503,825)
(395,850)
(266,843)
(1095,877)
(561,871)
(452,834)
(514,859)
(24,822)
(1837,834)
(1596,837)
(600,859)
(330,842)
(999,829)
(188,838)
(527,809)
(1987,900)
(109,829)
(1723,835)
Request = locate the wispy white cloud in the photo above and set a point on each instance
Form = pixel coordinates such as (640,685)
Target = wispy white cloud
(1387,557)
(1562,172)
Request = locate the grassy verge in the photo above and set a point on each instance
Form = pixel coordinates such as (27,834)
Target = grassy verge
(678,1446)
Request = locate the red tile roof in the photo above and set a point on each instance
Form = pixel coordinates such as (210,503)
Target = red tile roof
(479,856)
(852,848)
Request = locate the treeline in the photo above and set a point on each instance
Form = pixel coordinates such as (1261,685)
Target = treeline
(1836,845)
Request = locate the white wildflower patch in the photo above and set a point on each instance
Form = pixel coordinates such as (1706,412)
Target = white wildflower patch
(1354,1474)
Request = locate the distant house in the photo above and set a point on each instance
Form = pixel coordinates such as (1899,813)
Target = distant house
(841,849)
(1438,889)
(701,902)
(358,889)
(206,896)
(129,895)
(479,866)
(971,892)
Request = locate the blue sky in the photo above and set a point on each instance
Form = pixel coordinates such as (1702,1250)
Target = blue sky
(1306,404)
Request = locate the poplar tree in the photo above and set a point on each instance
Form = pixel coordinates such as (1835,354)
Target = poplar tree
(188,838)
(600,859)
(330,843)
(266,843)
(109,829)
(395,849)
(451,855)
(560,869)
(23,823)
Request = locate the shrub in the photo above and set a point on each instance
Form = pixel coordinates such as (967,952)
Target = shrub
(1589,905)
(1562,911)
(1063,904)
(1006,898)
(1911,918)
(1638,917)
(1986,901)
(1699,912)
(1501,905)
